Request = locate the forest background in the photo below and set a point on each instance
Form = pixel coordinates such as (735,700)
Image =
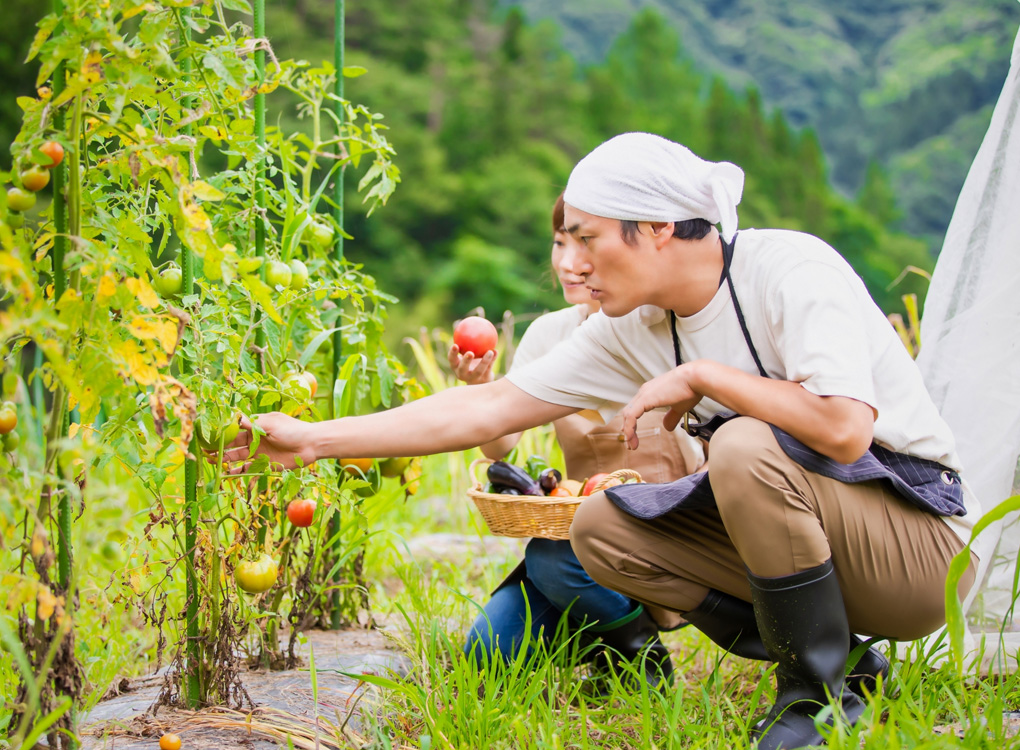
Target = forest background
(854,121)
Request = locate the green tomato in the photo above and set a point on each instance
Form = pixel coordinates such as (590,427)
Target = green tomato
(15,220)
(394,467)
(297,388)
(374,480)
(170,281)
(278,274)
(11,441)
(299,274)
(19,200)
(257,576)
(209,435)
(320,234)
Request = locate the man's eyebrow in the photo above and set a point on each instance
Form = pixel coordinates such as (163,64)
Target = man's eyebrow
(573,229)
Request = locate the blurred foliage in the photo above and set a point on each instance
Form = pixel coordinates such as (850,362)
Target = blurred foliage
(489,114)
(892,81)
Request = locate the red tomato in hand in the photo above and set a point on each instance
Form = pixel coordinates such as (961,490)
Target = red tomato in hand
(475,335)
(300,512)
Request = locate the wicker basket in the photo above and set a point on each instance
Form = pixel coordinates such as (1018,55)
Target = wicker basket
(545,517)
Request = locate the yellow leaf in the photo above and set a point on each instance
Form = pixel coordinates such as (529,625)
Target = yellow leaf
(206,192)
(167,335)
(196,218)
(73,428)
(142,328)
(107,286)
(45,603)
(92,70)
(143,292)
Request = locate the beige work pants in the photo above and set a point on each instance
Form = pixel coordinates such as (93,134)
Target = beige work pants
(775,518)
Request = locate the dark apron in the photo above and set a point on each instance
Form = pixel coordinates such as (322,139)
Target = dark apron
(929,485)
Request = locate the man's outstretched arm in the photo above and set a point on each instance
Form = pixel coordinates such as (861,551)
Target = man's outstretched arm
(455,419)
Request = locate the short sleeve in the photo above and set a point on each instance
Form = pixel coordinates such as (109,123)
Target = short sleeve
(819,327)
(585,371)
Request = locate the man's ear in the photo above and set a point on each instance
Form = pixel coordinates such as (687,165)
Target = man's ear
(661,231)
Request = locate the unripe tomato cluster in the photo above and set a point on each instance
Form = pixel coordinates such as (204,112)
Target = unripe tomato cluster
(33,178)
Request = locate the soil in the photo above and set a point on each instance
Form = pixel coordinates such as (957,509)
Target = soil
(285,706)
(282,698)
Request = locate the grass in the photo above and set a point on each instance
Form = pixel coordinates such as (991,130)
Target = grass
(538,701)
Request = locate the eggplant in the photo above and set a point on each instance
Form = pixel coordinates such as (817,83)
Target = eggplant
(501,473)
(549,479)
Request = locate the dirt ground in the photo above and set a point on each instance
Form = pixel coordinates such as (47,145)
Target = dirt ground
(286,709)
(284,700)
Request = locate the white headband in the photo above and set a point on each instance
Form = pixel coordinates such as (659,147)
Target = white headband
(643,177)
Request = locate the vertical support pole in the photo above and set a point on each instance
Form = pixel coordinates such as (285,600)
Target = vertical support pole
(259,29)
(60,225)
(193,671)
(339,33)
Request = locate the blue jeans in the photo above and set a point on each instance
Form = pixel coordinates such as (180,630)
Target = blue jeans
(554,583)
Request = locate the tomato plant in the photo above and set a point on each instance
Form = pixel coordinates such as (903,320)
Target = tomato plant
(162,165)
(298,274)
(321,234)
(257,576)
(170,281)
(301,512)
(278,274)
(357,466)
(54,151)
(35,178)
(476,335)
(8,418)
(394,467)
(210,433)
(19,200)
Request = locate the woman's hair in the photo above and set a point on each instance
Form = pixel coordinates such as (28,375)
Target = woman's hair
(557,215)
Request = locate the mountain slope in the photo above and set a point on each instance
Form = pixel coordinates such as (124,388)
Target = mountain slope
(906,83)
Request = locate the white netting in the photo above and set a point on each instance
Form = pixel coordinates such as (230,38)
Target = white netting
(970,353)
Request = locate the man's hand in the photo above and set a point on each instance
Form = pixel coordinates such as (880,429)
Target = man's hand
(287,442)
(672,389)
(468,368)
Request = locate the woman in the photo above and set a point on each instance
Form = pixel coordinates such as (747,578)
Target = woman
(550,581)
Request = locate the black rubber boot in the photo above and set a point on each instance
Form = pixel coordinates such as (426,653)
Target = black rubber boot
(635,638)
(730,622)
(802,621)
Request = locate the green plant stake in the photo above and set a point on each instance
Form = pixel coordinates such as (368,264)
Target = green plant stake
(338,212)
(192,682)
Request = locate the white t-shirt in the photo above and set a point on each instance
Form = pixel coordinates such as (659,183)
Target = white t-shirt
(551,329)
(811,321)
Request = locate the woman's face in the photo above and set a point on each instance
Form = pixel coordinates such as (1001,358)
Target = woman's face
(568,266)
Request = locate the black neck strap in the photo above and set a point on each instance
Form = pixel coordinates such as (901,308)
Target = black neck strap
(727,250)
